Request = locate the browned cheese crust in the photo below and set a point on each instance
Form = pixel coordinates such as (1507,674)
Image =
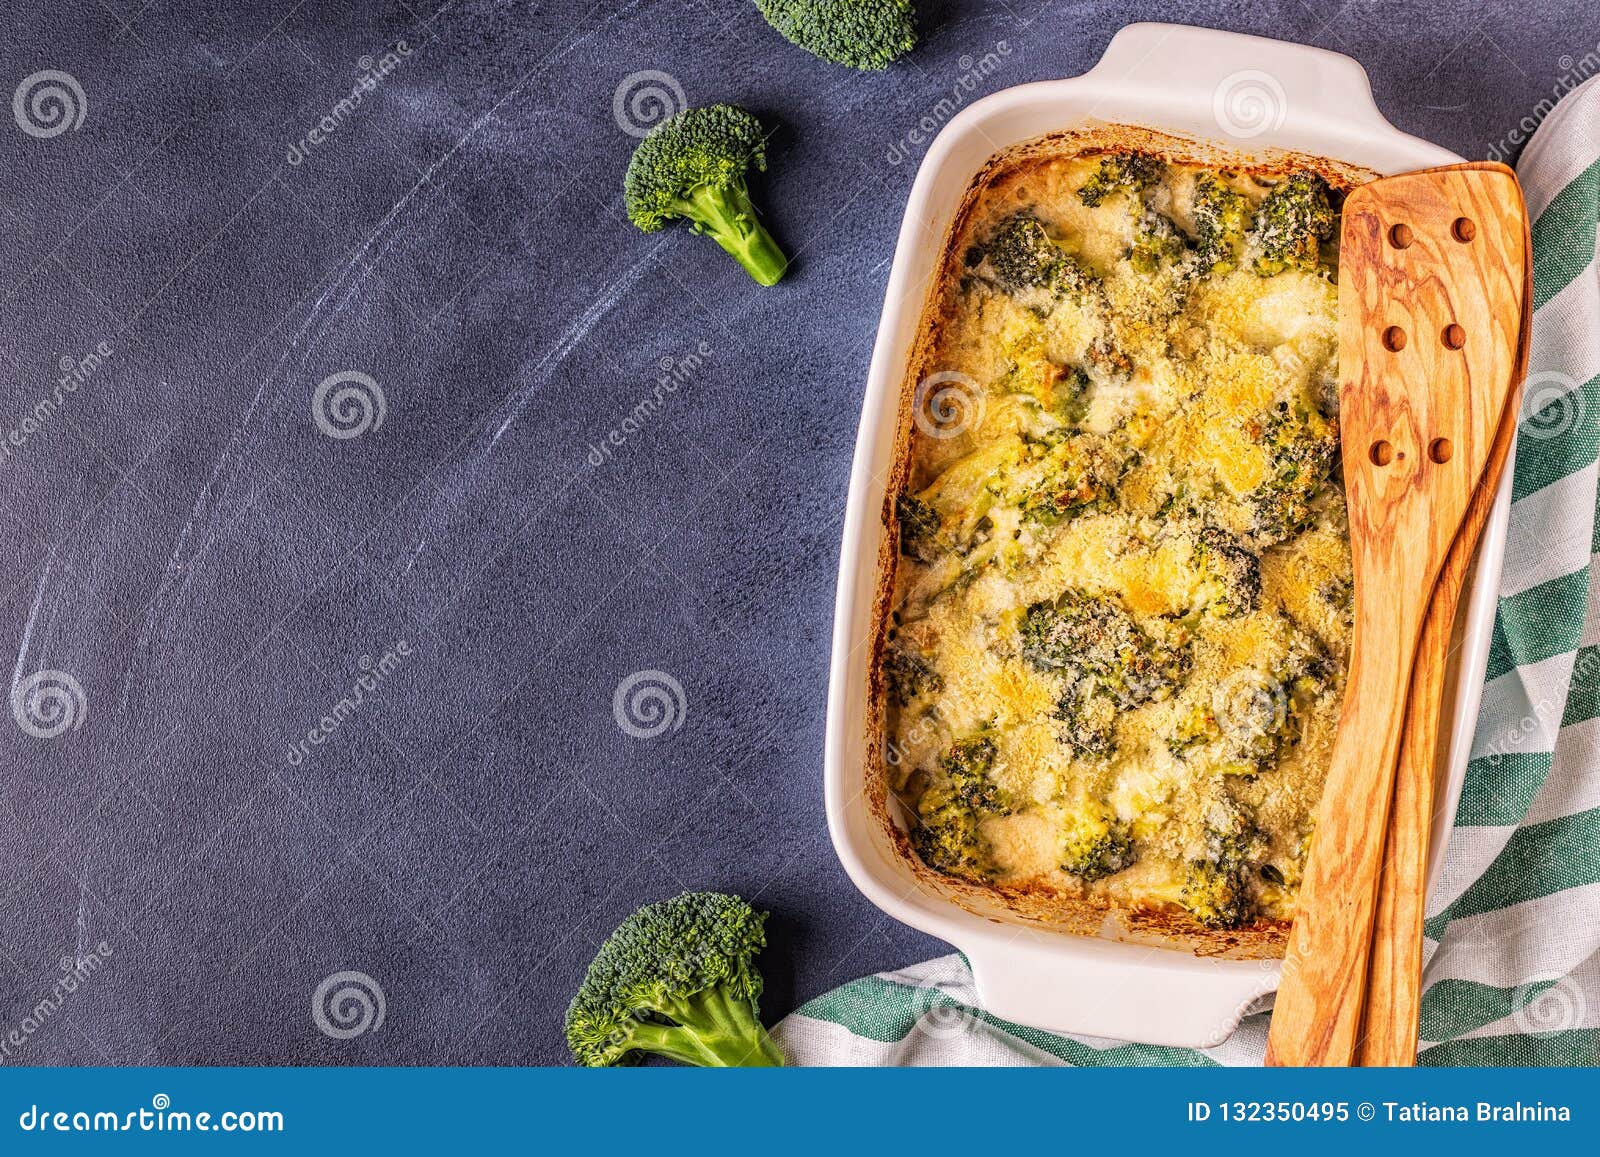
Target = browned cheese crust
(1112,613)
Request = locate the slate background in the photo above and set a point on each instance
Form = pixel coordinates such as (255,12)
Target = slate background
(182,540)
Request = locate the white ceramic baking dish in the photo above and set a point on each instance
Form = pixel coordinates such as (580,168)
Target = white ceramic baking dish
(1247,94)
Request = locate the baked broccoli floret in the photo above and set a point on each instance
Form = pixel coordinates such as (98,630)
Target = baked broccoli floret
(909,677)
(1219,221)
(1292,223)
(1110,358)
(1098,847)
(1091,718)
(1233,572)
(921,530)
(1157,242)
(1079,476)
(1090,639)
(1130,173)
(967,765)
(694,166)
(1215,890)
(863,34)
(1024,259)
(1339,596)
(1303,447)
(1253,719)
(959,797)
(1070,399)
(1197,727)
(946,835)
(678,979)
(1215,895)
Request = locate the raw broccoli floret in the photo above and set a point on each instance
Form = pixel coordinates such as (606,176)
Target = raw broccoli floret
(1092,639)
(1303,447)
(1215,890)
(1099,846)
(1025,259)
(1130,173)
(1157,242)
(1232,570)
(921,529)
(1292,223)
(679,979)
(863,34)
(909,677)
(693,166)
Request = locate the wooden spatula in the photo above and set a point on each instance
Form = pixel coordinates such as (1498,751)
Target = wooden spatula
(1432,275)
(1394,979)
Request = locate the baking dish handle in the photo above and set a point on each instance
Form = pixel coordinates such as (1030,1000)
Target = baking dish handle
(1044,981)
(1243,86)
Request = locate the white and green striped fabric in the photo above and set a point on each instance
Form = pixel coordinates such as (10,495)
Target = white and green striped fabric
(1513,935)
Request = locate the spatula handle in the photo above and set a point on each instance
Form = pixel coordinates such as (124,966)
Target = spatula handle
(1317,1016)
(1394,986)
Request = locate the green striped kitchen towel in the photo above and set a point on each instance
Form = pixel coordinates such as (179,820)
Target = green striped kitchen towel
(1513,934)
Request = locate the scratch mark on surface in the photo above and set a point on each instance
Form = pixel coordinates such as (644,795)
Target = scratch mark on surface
(533,379)
(574,335)
(33,616)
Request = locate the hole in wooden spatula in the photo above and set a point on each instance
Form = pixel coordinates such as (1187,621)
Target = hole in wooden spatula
(1381,453)
(1463,229)
(1394,339)
(1454,336)
(1440,450)
(1401,236)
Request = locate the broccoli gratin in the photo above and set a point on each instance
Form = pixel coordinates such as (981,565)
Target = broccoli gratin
(1121,611)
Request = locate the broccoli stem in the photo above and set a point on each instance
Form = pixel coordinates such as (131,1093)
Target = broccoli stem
(715,1030)
(726,215)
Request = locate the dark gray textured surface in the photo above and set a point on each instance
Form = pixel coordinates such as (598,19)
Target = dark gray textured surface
(181,539)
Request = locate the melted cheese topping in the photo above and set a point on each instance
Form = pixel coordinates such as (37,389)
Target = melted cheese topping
(1159,405)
